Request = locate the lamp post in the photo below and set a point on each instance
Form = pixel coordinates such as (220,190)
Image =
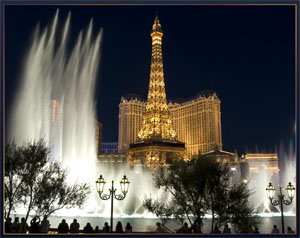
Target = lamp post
(100,183)
(271,193)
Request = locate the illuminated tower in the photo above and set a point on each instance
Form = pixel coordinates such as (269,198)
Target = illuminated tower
(156,143)
(156,121)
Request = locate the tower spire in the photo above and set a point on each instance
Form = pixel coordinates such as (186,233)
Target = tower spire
(156,25)
(157,122)
(156,144)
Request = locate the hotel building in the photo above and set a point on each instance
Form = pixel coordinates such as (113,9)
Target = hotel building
(131,111)
(99,128)
(197,122)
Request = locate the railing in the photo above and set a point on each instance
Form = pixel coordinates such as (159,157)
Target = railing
(157,143)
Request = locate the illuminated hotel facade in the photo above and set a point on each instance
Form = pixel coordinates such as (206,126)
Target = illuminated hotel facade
(131,110)
(197,122)
(144,126)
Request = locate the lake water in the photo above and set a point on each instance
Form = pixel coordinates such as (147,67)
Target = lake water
(141,224)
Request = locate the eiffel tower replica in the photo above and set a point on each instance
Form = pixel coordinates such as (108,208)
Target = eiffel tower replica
(157,144)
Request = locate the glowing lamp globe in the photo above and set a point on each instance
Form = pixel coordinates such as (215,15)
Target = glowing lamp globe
(124,184)
(290,189)
(270,191)
(100,184)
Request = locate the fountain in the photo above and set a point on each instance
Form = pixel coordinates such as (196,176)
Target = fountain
(56,102)
(259,181)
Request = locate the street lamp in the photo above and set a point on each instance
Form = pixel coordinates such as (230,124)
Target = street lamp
(271,193)
(112,193)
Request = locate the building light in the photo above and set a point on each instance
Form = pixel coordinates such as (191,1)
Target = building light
(53,110)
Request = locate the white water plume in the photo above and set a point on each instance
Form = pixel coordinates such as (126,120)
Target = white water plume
(56,98)
(259,181)
(56,102)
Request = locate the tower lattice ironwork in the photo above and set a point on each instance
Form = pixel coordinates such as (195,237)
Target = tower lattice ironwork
(157,123)
(156,143)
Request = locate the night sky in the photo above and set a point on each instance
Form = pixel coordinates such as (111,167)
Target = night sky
(246,54)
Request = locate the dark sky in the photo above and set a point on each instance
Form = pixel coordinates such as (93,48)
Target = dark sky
(244,53)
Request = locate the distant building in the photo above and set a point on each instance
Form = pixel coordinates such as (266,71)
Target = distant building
(109,147)
(112,158)
(196,121)
(222,156)
(268,162)
(247,165)
(231,159)
(109,154)
(99,128)
(131,111)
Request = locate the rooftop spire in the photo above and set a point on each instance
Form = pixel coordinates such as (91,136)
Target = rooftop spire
(156,25)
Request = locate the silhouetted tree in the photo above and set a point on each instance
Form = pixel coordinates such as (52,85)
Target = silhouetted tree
(238,211)
(199,186)
(53,192)
(37,184)
(217,186)
(185,185)
(160,210)
(22,164)
(13,178)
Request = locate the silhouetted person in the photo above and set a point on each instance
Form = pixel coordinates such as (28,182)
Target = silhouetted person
(23,226)
(289,230)
(256,230)
(247,229)
(184,229)
(106,228)
(128,228)
(45,225)
(8,225)
(159,228)
(196,228)
(15,225)
(216,230)
(63,227)
(74,227)
(226,229)
(119,227)
(275,230)
(34,225)
(96,229)
(88,228)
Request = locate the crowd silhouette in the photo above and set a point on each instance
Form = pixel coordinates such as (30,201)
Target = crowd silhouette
(38,226)
(42,226)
